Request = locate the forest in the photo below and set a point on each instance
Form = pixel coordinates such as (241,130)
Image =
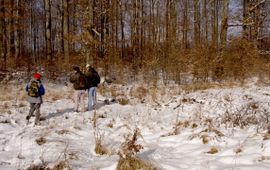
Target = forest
(135,84)
(208,39)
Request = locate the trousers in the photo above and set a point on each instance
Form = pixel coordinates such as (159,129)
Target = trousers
(35,107)
(79,100)
(92,97)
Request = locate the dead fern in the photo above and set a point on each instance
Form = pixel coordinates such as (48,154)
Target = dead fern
(128,155)
(130,147)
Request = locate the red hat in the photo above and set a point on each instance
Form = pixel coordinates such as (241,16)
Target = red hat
(37,76)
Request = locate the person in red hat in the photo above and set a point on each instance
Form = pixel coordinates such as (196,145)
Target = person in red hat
(35,91)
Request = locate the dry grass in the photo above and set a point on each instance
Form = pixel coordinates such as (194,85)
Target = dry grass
(6,106)
(123,101)
(213,150)
(128,158)
(77,127)
(205,138)
(94,119)
(63,165)
(21,104)
(110,125)
(264,158)
(41,141)
(130,147)
(53,95)
(37,167)
(134,163)
(266,136)
(238,150)
(6,92)
(100,149)
(178,126)
(62,132)
(139,92)
(196,86)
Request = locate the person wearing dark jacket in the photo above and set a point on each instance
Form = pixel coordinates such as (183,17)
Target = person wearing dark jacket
(79,81)
(93,80)
(35,91)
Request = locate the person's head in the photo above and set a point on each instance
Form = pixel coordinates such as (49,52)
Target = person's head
(88,66)
(76,68)
(37,76)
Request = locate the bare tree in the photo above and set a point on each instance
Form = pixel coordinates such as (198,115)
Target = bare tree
(185,24)
(205,17)
(65,30)
(214,22)
(197,23)
(224,22)
(2,46)
(48,24)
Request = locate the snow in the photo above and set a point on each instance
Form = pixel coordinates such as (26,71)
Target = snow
(177,131)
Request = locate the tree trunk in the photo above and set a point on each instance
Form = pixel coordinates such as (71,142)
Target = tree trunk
(122,29)
(15,28)
(205,15)
(48,25)
(142,33)
(245,18)
(224,23)
(135,33)
(65,30)
(2,36)
(197,23)
(89,24)
(8,31)
(185,24)
(214,8)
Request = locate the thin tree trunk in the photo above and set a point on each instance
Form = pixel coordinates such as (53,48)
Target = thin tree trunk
(142,33)
(89,22)
(197,23)
(8,27)
(224,23)
(135,33)
(20,29)
(185,24)
(117,6)
(205,15)
(214,8)
(2,36)
(47,6)
(16,22)
(65,30)
(122,30)
(245,17)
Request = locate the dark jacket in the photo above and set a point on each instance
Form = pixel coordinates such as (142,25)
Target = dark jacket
(91,74)
(75,80)
(41,91)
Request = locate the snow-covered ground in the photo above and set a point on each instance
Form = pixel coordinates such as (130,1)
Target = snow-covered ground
(221,128)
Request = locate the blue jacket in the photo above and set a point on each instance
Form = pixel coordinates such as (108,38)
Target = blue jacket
(41,92)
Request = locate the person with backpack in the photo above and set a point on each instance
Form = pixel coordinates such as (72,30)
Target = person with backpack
(35,91)
(80,84)
(93,79)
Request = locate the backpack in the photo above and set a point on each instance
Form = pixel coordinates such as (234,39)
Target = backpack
(33,89)
(83,83)
(96,77)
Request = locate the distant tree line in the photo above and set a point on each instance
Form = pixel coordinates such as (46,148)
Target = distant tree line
(173,35)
